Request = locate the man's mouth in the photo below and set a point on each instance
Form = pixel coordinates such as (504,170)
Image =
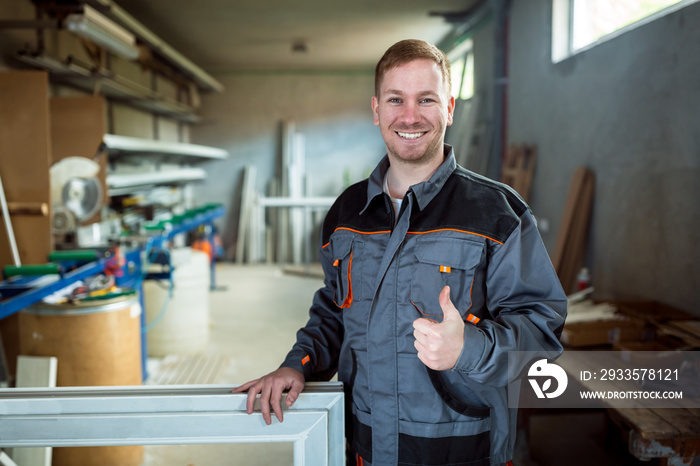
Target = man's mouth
(410,135)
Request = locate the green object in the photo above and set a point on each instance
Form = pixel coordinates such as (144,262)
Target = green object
(34,269)
(154,226)
(115,294)
(81,255)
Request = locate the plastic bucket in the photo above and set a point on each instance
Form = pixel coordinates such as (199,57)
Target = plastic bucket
(183,326)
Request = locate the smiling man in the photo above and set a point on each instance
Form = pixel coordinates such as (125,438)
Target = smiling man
(433,274)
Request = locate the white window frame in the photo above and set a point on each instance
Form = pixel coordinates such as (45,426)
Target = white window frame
(463,50)
(562,27)
(172,415)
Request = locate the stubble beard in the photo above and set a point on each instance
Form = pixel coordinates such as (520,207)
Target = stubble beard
(408,157)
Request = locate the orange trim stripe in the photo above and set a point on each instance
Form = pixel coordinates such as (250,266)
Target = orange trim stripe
(473,319)
(305,360)
(413,233)
(348,299)
(358,231)
(364,232)
(452,229)
(418,309)
(445,269)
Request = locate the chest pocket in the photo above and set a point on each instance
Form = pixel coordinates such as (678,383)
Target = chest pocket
(441,262)
(347,261)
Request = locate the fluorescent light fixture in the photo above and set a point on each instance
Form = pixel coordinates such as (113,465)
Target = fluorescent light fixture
(92,25)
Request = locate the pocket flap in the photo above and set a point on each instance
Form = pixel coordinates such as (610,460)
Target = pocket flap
(451,252)
(341,246)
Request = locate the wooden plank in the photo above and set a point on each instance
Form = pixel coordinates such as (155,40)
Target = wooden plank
(576,245)
(565,226)
(77,130)
(571,241)
(518,169)
(25,157)
(688,338)
(691,327)
(644,421)
(687,422)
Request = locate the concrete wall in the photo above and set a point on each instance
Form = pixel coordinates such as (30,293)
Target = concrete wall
(629,110)
(331,109)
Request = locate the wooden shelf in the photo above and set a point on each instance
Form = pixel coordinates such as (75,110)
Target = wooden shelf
(116,88)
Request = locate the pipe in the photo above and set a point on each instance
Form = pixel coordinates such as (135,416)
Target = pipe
(500,98)
(8,225)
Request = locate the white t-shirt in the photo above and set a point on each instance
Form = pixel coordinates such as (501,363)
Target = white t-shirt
(395,202)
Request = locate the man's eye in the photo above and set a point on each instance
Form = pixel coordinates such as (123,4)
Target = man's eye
(394,100)
(427,101)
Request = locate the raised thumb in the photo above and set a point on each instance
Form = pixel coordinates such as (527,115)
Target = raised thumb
(449,311)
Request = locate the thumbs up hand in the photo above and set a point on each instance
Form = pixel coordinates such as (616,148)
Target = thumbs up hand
(440,344)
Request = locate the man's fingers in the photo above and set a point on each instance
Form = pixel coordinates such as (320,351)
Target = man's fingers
(427,361)
(275,401)
(423,325)
(265,403)
(449,311)
(293,393)
(244,387)
(270,388)
(252,394)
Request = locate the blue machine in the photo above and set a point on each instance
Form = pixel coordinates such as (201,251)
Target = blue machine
(21,291)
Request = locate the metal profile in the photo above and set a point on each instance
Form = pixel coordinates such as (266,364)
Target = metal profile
(125,145)
(154,415)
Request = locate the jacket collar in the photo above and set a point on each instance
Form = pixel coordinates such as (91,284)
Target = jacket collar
(423,192)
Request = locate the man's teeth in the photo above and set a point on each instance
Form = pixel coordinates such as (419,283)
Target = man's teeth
(410,135)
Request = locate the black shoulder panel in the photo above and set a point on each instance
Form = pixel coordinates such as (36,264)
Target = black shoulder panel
(345,212)
(474,203)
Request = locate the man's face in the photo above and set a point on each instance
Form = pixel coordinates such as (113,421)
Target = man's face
(413,110)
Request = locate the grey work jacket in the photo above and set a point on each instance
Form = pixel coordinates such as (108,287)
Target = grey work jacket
(457,229)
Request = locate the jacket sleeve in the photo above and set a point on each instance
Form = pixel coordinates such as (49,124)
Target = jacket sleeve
(316,351)
(527,305)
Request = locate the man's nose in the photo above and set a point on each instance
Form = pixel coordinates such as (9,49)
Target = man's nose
(411,113)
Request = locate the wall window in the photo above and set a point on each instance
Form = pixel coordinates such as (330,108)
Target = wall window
(581,24)
(462,61)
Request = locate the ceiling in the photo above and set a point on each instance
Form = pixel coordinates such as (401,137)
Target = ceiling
(230,35)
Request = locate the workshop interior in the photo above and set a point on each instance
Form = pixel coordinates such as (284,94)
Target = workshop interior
(166,167)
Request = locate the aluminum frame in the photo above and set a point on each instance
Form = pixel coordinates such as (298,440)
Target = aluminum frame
(172,415)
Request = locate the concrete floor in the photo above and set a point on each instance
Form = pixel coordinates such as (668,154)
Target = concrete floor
(255,314)
(254,318)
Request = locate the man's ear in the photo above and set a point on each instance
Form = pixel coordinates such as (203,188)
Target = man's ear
(450,110)
(375,110)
